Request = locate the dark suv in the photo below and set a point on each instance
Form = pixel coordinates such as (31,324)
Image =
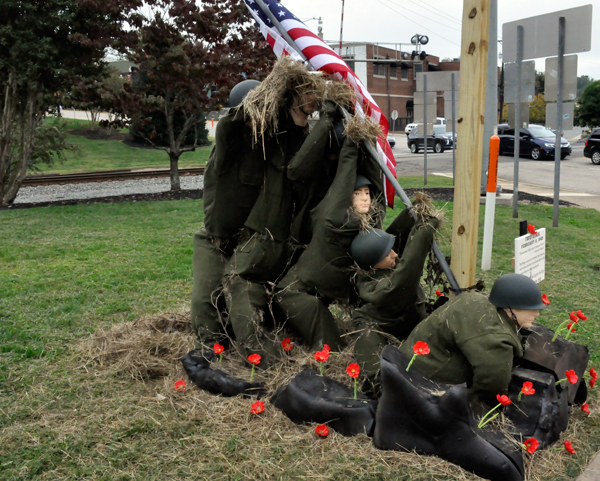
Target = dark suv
(439,141)
(536,141)
(592,147)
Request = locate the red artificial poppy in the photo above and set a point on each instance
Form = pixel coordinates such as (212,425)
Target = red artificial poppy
(531,445)
(287,344)
(218,348)
(421,347)
(585,407)
(438,293)
(180,385)
(571,376)
(353,370)
(321,356)
(573,317)
(569,447)
(593,373)
(322,430)
(254,359)
(571,327)
(257,407)
(592,382)
(527,388)
(545,299)
(581,315)
(531,229)
(503,399)
(326,348)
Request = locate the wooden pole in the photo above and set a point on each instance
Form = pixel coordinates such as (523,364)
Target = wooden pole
(473,71)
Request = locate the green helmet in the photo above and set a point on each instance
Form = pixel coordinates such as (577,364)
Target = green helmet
(361,181)
(238,92)
(516,291)
(370,247)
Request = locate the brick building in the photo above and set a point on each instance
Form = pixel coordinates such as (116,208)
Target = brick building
(392,85)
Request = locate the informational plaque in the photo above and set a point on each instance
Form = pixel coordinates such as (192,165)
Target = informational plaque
(530,255)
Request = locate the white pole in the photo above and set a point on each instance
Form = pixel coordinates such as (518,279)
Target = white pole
(490,204)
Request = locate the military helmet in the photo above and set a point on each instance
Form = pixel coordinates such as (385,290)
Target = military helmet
(516,291)
(361,181)
(238,92)
(371,247)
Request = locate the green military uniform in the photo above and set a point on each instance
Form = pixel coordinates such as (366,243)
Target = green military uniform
(471,341)
(394,299)
(322,273)
(263,248)
(232,181)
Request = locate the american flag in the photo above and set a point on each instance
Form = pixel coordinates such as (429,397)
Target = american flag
(323,58)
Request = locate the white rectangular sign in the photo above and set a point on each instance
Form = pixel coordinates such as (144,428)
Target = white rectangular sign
(437,81)
(530,255)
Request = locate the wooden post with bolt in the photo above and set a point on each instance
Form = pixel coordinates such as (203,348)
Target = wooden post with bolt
(467,183)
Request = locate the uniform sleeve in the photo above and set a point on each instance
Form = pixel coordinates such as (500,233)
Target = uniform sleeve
(229,138)
(491,358)
(305,163)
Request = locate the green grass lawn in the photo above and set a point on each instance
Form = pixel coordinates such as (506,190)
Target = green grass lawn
(66,273)
(97,155)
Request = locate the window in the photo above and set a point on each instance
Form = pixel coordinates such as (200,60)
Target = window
(393,71)
(349,61)
(404,73)
(379,69)
(418,67)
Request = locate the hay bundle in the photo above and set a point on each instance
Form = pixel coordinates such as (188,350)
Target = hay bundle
(341,93)
(262,104)
(365,129)
(144,349)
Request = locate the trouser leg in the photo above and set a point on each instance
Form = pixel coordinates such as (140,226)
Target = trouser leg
(208,266)
(246,303)
(308,317)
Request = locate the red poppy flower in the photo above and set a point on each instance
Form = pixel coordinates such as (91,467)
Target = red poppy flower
(581,315)
(569,447)
(531,445)
(527,388)
(545,299)
(438,293)
(353,370)
(254,359)
(321,356)
(585,407)
(592,382)
(503,399)
(180,385)
(593,373)
(571,327)
(421,347)
(573,317)
(571,376)
(218,348)
(322,430)
(326,348)
(287,344)
(257,407)
(531,229)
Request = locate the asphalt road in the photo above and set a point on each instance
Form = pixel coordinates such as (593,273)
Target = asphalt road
(579,178)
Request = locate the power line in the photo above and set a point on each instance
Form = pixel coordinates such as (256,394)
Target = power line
(432,11)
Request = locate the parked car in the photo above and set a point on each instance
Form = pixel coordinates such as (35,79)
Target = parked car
(438,142)
(536,141)
(391,141)
(592,146)
(408,128)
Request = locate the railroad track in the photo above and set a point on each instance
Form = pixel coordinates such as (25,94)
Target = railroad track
(104,176)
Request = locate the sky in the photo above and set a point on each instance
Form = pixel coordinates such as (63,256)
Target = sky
(396,21)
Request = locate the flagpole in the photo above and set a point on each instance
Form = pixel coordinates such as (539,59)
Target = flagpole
(370,149)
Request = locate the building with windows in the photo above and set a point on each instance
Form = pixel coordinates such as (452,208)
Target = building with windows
(393,81)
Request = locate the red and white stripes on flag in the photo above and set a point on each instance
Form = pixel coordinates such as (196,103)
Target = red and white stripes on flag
(323,58)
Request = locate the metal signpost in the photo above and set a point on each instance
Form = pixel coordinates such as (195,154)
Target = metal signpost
(426,101)
(543,36)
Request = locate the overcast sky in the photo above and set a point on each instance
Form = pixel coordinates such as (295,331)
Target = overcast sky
(397,21)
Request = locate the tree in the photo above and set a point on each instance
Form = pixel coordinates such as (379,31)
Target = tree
(188,57)
(587,112)
(582,82)
(540,82)
(44,47)
(537,110)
